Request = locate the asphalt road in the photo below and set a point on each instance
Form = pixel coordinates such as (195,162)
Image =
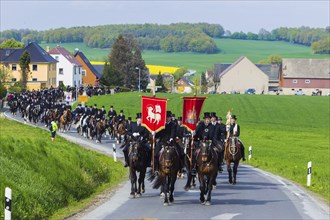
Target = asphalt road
(257,195)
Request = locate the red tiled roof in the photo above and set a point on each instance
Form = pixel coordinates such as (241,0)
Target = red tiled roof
(66,54)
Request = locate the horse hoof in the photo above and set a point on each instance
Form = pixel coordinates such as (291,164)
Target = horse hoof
(166,204)
(186,188)
(162,195)
(132,196)
(208,203)
(138,195)
(143,191)
(214,186)
(97,141)
(202,203)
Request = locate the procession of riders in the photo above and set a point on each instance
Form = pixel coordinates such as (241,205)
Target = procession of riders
(92,122)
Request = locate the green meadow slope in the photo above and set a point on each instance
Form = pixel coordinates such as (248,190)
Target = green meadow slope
(50,179)
(231,50)
(285,131)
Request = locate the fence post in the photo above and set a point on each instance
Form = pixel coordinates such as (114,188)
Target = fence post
(309,173)
(114,152)
(250,152)
(7,203)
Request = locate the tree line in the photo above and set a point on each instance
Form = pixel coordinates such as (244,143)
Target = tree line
(177,37)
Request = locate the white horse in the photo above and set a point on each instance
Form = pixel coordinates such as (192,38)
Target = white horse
(153,116)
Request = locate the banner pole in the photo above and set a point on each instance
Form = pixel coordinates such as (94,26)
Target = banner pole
(153,152)
(191,148)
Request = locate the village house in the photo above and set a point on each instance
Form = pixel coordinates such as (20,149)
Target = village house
(305,76)
(237,78)
(90,76)
(42,66)
(69,69)
(184,85)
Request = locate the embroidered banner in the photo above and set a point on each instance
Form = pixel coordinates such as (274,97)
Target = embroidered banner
(153,113)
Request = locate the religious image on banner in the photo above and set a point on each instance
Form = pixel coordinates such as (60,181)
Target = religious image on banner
(153,113)
(192,107)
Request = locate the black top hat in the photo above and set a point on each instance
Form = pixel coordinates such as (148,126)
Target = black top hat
(207,115)
(138,115)
(95,104)
(121,111)
(173,115)
(213,114)
(111,106)
(102,106)
(220,119)
(129,118)
(234,117)
(179,118)
(168,114)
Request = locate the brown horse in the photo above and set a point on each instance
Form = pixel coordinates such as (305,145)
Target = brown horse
(120,131)
(207,169)
(111,124)
(169,165)
(65,120)
(100,129)
(137,158)
(232,155)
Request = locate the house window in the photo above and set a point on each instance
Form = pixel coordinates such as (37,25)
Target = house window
(60,83)
(34,79)
(60,71)
(307,81)
(295,81)
(13,79)
(13,67)
(56,58)
(83,72)
(34,67)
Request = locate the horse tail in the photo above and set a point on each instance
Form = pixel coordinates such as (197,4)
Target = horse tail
(158,182)
(150,176)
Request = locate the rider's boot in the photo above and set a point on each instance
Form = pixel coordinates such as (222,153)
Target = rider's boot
(126,158)
(243,152)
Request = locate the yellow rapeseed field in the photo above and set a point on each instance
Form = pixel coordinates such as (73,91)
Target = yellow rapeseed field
(153,69)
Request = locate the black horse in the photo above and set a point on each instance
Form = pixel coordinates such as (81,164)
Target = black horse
(232,155)
(13,105)
(207,169)
(169,166)
(137,160)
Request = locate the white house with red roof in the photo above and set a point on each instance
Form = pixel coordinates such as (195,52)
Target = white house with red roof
(68,69)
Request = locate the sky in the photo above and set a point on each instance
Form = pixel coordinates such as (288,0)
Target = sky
(232,15)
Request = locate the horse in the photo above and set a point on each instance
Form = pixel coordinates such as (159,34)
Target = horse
(111,124)
(137,160)
(169,166)
(65,120)
(191,179)
(49,116)
(120,131)
(13,107)
(207,169)
(232,155)
(100,129)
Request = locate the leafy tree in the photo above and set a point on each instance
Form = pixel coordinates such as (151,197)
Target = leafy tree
(203,83)
(110,76)
(11,43)
(160,82)
(179,73)
(321,46)
(4,75)
(24,63)
(125,58)
(272,59)
(3,91)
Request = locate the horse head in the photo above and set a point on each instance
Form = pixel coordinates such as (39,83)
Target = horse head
(205,150)
(232,145)
(169,156)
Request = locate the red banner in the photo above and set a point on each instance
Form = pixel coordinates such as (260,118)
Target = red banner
(192,107)
(153,113)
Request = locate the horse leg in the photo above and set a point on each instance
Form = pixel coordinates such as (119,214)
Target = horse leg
(166,190)
(235,171)
(172,186)
(189,178)
(230,178)
(202,189)
(210,182)
(133,183)
(141,181)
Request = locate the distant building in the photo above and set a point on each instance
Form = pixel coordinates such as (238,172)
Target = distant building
(90,75)
(69,69)
(42,66)
(237,77)
(184,85)
(305,75)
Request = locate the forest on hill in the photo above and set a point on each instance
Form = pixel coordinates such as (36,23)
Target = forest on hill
(176,37)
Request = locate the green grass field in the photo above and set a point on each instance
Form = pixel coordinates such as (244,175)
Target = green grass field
(231,50)
(50,179)
(285,131)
